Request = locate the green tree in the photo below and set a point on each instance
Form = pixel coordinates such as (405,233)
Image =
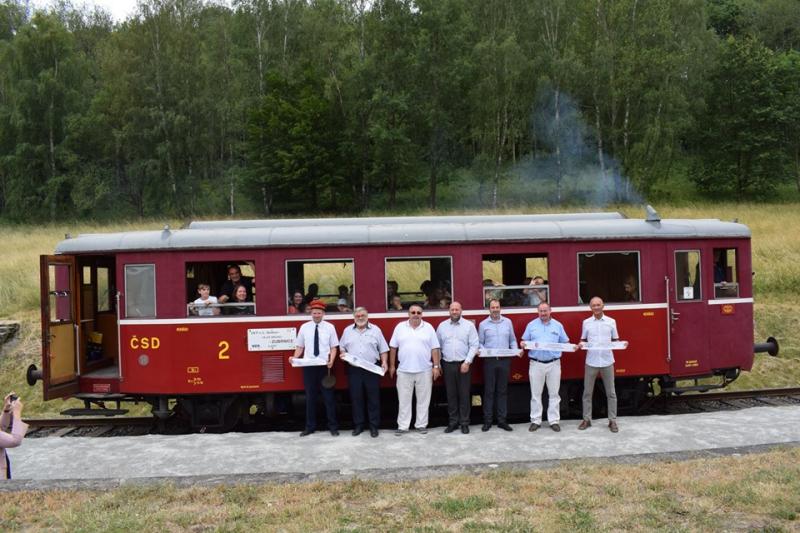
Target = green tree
(738,143)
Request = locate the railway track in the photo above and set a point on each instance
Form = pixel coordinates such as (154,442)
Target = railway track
(723,401)
(89,427)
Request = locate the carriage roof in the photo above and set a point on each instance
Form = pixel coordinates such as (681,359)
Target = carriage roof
(402,230)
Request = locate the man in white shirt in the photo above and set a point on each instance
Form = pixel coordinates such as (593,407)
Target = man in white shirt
(415,343)
(317,338)
(599,328)
(366,342)
(458,340)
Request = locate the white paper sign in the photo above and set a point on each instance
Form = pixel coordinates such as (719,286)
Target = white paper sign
(311,361)
(499,352)
(552,346)
(271,339)
(356,361)
(688,293)
(616,345)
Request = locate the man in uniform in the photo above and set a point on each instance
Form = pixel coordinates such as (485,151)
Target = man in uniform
(415,343)
(545,367)
(599,328)
(458,340)
(317,338)
(366,342)
(496,332)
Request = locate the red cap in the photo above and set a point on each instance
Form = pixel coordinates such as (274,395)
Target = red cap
(317,304)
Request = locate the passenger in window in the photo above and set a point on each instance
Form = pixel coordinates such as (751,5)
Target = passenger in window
(235,278)
(391,291)
(296,305)
(313,291)
(536,296)
(631,290)
(205,305)
(342,304)
(240,297)
(396,304)
(720,271)
(426,288)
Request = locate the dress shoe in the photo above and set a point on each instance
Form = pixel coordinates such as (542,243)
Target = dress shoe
(555,427)
(503,425)
(465,429)
(584,424)
(534,427)
(451,428)
(400,432)
(335,432)
(373,433)
(486,427)
(612,426)
(422,431)
(357,431)
(306,432)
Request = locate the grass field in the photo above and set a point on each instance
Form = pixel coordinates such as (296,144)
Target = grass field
(759,492)
(776,262)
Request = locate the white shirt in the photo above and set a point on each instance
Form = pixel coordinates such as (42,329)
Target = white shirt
(414,346)
(367,344)
(459,340)
(327,339)
(599,330)
(203,309)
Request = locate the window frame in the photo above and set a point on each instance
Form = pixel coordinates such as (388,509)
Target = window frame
(737,283)
(638,274)
(155,293)
(699,274)
(287,298)
(386,260)
(526,255)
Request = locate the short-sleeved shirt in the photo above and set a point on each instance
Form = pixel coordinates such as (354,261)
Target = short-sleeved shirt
(227,287)
(458,340)
(414,346)
(327,339)
(599,330)
(539,331)
(203,309)
(497,334)
(367,344)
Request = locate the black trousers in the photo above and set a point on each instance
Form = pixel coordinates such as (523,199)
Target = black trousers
(312,382)
(458,393)
(363,381)
(495,388)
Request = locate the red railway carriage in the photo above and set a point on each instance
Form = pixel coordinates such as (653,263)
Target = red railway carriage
(119,320)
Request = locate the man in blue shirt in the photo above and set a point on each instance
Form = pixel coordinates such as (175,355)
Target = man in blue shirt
(545,366)
(496,332)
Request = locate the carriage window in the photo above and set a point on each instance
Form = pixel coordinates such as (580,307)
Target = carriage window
(140,291)
(613,276)
(60,293)
(103,290)
(329,280)
(726,281)
(427,282)
(221,288)
(517,280)
(687,275)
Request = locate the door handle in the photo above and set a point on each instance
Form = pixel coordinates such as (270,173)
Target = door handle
(674,315)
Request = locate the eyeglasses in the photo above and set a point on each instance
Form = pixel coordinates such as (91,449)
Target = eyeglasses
(415,312)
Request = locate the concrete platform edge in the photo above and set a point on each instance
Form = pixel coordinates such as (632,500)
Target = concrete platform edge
(380,474)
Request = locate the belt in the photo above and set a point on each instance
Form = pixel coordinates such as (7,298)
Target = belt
(540,361)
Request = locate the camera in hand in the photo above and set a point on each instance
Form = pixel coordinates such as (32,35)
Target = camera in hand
(13,398)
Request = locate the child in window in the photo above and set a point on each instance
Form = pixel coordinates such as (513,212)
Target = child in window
(203,305)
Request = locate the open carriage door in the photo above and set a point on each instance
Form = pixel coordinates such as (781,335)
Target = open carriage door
(59,326)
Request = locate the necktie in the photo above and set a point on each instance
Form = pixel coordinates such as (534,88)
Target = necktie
(316,341)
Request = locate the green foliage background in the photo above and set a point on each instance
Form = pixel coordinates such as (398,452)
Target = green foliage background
(189,108)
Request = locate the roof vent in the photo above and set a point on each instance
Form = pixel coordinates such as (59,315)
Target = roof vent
(652,214)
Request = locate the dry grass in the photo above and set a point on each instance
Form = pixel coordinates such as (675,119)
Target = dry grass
(748,493)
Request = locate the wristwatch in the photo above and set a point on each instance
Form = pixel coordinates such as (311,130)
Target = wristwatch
(435,366)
